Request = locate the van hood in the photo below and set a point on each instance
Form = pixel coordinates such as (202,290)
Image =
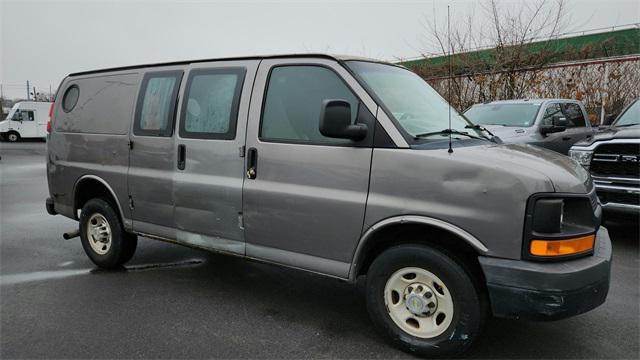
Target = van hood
(544,170)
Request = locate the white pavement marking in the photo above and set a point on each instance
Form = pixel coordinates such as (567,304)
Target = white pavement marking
(39,276)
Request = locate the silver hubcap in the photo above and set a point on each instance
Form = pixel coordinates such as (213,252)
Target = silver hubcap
(13,137)
(418,302)
(99,234)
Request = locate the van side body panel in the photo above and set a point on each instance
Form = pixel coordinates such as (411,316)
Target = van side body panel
(92,139)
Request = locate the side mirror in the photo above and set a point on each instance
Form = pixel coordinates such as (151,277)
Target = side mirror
(558,124)
(335,121)
(609,119)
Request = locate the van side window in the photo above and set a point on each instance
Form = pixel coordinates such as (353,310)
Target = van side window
(23,115)
(70,98)
(156,103)
(574,115)
(211,107)
(294,97)
(550,112)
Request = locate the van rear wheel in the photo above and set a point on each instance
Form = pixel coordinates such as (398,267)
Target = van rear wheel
(103,237)
(423,301)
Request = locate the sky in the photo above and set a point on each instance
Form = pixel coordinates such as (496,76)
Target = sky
(43,41)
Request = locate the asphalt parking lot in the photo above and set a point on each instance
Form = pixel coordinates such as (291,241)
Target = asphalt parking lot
(176,302)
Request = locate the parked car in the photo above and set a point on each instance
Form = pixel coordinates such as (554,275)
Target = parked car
(334,165)
(613,158)
(27,119)
(555,124)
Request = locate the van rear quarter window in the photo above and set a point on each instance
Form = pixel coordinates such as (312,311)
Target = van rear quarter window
(156,103)
(103,106)
(70,98)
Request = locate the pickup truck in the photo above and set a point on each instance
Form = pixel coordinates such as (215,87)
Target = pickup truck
(555,124)
(613,158)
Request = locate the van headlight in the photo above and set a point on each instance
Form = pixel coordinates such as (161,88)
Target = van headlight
(560,226)
(583,157)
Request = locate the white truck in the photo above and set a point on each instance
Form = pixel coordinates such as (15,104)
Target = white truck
(27,119)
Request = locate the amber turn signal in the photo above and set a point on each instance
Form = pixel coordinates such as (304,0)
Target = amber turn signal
(562,247)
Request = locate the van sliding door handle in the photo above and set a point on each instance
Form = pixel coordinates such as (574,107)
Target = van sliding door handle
(182,156)
(252,163)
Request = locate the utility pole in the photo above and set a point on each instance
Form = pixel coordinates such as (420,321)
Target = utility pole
(35,94)
(603,97)
(50,94)
(28,96)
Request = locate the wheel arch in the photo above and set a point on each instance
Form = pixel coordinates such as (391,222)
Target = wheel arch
(389,232)
(87,187)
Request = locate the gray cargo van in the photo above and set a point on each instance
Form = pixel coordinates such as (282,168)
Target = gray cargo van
(340,166)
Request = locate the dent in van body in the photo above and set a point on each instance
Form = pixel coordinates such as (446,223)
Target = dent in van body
(479,189)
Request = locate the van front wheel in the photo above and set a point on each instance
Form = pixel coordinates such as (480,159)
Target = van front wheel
(103,237)
(423,301)
(13,136)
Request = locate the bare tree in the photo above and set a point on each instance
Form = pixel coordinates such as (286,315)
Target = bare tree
(488,58)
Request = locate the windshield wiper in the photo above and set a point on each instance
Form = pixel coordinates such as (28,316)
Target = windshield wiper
(447,132)
(624,125)
(476,126)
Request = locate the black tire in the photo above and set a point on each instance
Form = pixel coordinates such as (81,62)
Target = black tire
(13,136)
(122,245)
(469,302)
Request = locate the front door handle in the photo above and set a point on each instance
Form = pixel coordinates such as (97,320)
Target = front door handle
(252,163)
(182,156)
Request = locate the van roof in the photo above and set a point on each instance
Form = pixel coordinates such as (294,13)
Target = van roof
(253,57)
(30,102)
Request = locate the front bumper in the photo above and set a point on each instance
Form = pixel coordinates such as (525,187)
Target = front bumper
(549,290)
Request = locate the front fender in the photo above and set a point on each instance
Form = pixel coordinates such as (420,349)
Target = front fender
(369,236)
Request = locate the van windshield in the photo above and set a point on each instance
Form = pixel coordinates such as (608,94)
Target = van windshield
(415,105)
(521,115)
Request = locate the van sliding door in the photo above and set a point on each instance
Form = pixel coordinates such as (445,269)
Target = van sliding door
(209,171)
